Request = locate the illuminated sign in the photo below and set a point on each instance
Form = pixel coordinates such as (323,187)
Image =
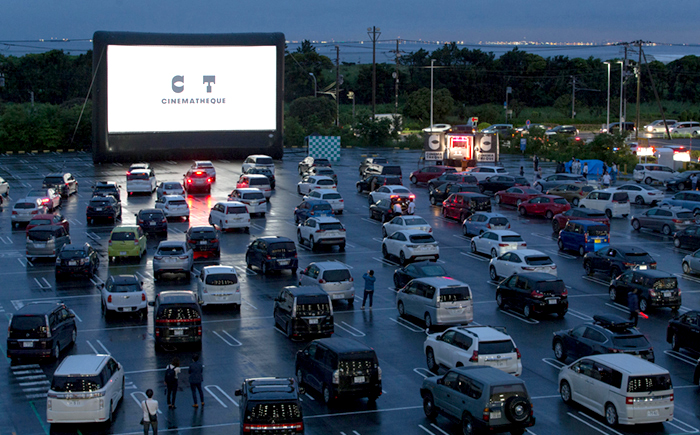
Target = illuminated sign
(461,146)
(645,151)
(681,157)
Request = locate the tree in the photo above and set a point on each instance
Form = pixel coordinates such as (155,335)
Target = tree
(297,69)
(312,112)
(418,104)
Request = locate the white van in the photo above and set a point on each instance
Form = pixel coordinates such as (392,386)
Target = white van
(253,198)
(610,201)
(436,300)
(258,161)
(219,285)
(255,181)
(625,389)
(230,214)
(85,389)
(652,172)
(140,181)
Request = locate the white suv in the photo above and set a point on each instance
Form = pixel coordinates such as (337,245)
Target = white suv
(651,172)
(472,345)
(333,277)
(331,195)
(610,201)
(258,161)
(411,245)
(218,285)
(230,214)
(254,199)
(174,206)
(321,230)
(483,172)
(658,126)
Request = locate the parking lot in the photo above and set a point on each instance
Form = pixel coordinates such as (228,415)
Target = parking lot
(244,343)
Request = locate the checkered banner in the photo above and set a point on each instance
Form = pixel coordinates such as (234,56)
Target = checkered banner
(324,146)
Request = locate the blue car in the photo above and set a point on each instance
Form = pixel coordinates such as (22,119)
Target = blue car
(584,236)
(689,200)
(312,207)
(481,221)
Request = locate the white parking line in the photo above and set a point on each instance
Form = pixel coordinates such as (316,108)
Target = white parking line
(590,425)
(522,319)
(371,221)
(411,327)
(561,254)
(618,307)
(251,305)
(421,372)
(93,235)
(42,285)
(226,341)
(580,315)
(24,262)
(474,256)
(92,347)
(377,239)
(385,261)
(76,316)
(462,237)
(350,329)
(596,280)
(687,277)
(679,356)
(553,362)
(542,236)
(692,429)
(6,240)
(103,347)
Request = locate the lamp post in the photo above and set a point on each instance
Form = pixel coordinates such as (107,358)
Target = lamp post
(432,65)
(315,87)
(622,79)
(607,121)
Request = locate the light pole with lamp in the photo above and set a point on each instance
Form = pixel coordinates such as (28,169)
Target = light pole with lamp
(432,65)
(607,122)
(315,86)
(622,86)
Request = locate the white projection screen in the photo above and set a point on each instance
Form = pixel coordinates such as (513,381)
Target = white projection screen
(183,96)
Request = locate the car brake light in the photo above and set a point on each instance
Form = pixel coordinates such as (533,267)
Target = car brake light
(189,181)
(136,242)
(677,221)
(629,400)
(143,297)
(318,231)
(475,356)
(268,257)
(321,281)
(517,352)
(192,241)
(164,220)
(198,173)
(183,257)
(411,197)
(503,244)
(14,212)
(585,239)
(536,294)
(487,414)
(210,180)
(109,299)
(157,257)
(565,292)
(671,397)
(44,201)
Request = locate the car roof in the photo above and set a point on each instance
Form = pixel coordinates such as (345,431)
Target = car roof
(48,228)
(343,345)
(203,162)
(172,244)
(125,228)
(231,203)
(151,210)
(629,364)
(219,269)
(141,171)
(271,388)
(539,276)
(173,197)
(106,183)
(307,290)
(587,223)
(489,214)
(273,239)
(259,155)
(654,273)
(529,252)
(25,199)
(441,281)
(314,201)
(483,333)
(43,216)
(248,189)
(331,265)
(75,247)
(503,232)
(488,375)
(203,228)
(325,219)
(177,296)
(56,174)
(124,279)
(316,177)
(255,176)
(413,232)
(627,249)
(42,307)
(81,365)
(324,191)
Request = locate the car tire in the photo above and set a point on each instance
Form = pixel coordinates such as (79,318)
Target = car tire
(518,202)
(312,244)
(499,301)
(548,214)
(560,244)
(433,201)
(492,274)
(636,225)
(497,199)
(608,213)
(648,181)
(402,259)
(643,304)
(384,234)
(575,202)
(527,311)
(494,253)
(639,200)
(299,238)
(686,268)
(56,352)
(263,268)
(385,252)
(429,408)
(473,247)
(612,293)
(401,309)
(397,283)
(539,187)
(414,180)
(430,360)
(73,336)
(298,190)
(610,414)
(369,200)
(290,329)
(428,320)
(468,425)
(588,268)
(359,188)
(674,342)
(565,392)
(517,409)
(522,211)
(676,242)
(680,186)
(555,226)
(300,376)
(581,251)
(666,230)
(326,394)
(559,351)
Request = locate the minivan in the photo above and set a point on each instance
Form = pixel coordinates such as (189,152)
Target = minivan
(41,330)
(178,318)
(304,311)
(377,169)
(258,161)
(230,214)
(255,181)
(254,199)
(333,277)
(85,389)
(25,209)
(272,253)
(584,236)
(622,388)
(46,241)
(436,300)
(270,406)
(652,172)
(533,293)
(612,202)
(339,368)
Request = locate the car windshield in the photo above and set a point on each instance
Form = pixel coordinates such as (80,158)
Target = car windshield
(41,235)
(540,260)
(455,294)
(331,226)
(274,413)
(123,235)
(630,341)
(124,288)
(76,384)
(70,254)
(170,250)
(512,238)
(648,384)
(496,347)
(337,275)
(263,161)
(432,270)
(598,230)
(421,238)
(221,279)
(415,221)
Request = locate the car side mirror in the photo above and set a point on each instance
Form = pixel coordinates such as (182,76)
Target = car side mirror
(577,369)
(141,283)
(238,393)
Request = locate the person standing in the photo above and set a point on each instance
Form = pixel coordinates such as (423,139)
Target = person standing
(535,162)
(396,208)
(411,207)
(369,288)
(606,180)
(572,165)
(150,413)
(577,166)
(196,371)
(172,371)
(522,171)
(584,171)
(694,181)
(633,305)
(613,173)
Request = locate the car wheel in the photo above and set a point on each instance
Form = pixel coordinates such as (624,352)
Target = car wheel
(517,409)
(402,258)
(414,180)
(429,409)
(608,213)
(493,274)
(369,200)
(674,342)
(559,352)
(666,230)
(397,282)
(639,200)
(615,272)
(401,308)
(518,202)
(676,242)
(473,246)
(465,233)
(433,201)
(522,211)
(326,394)
(555,225)
(384,234)
(588,268)
(482,189)
(359,188)
(539,187)
(494,253)
(636,225)
(300,378)
(55,352)
(548,214)
(290,329)
(428,320)
(581,251)
(680,186)
(467,425)
(430,360)
(299,190)
(611,413)
(385,252)
(565,392)
(341,247)
(444,213)
(560,244)
(643,304)
(312,244)
(612,292)
(575,202)
(497,199)
(527,311)
(73,336)
(686,268)
(499,301)
(299,238)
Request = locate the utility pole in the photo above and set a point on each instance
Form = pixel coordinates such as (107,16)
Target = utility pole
(639,89)
(396,83)
(374,33)
(337,86)
(656,95)
(573,97)
(623,103)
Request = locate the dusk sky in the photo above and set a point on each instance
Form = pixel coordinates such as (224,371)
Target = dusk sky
(438,20)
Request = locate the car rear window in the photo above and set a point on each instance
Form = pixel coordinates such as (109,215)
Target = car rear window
(221,279)
(648,384)
(401,190)
(274,412)
(512,238)
(501,393)
(325,182)
(178,202)
(123,235)
(560,201)
(259,182)
(498,221)
(137,176)
(598,230)
(551,286)
(76,384)
(496,347)
(53,180)
(313,306)
(455,294)
(282,248)
(331,226)
(25,205)
(263,161)
(99,203)
(321,207)
(540,260)
(70,253)
(124,288)
(203,234)
(236,209)
(638,257)
(177,313)
(665,283)
(415,221)
(337,275)
(332,196)
(421,238)
(355,364)
(170,250)
(392,170)
(40,236)
(40,222)
(630,341)
(253,195)
(152,215)
(685,215)
(33,324)
(620,196)
(172,186)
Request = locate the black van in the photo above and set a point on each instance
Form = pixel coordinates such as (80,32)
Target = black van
(272,253)
(304,311)
(533,293)
(41,330)
(340,367)
(270,406)
(178,318)
(656,288)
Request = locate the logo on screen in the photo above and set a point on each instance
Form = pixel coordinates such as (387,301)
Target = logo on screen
(178,85)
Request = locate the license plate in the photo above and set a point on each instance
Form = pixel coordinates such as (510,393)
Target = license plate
(687,222)
(642,267)
(653,413)
(40,245)
(72,263)
(203,242)
(359,380)
(494,414)
(500,363)
(27,344)
(313,321)
(75,403)
(337,296)
(178,332)
(552,301)
(283,262)
(151,222)
(667,294)
(98,208)
(597,240)
(125,309)
(122,252)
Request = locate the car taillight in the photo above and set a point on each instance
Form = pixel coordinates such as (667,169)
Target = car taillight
(109,299)
(44,201)
(677,221)
(35,211)
(157,257)
(143,297)
(475,356)
(183,257)
(503,244)
(336,377)
(487,414)
(536,294)
(192,241)
(652,292)
(565,292)
(189,181)
(653,265)
(629,400)
(136,242)
(267,257)
(671,397)
(318,231)
(517,352)
(321,281)
(199,331)
(14,212)
(586,238)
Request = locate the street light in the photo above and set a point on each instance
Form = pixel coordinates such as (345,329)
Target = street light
(315,87)
(607,122)
(622,78)
(432,64)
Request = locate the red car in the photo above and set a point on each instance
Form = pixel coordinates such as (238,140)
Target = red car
(428,173)
(579,214)
(515,195)
(49,219)
(545,205)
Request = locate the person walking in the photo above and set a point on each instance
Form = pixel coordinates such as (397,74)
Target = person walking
(411,209)
(633,305)
(584,171)
(172,371)
(613,173)
(150,413)
(606,180)
(576,167)
(694,181)
(369,288)
(535,162)
(196,371)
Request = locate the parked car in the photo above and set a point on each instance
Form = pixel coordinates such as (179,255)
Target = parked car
(48,219)
(410,245)
(390,191)
(452,177)
(272,253)
(437,301)
(253,198)
(641,193)
(544,205)
(331,196)
(483,221)
(304,312)
(463,394)
(263,171)
(323,171)
(378,169)
(583,236)
(515,195)
(462,205)
(533,293)
(656,288)
(472,346)
(560,220)
(606,334)
(568,130)
(123,294)
(368,161)
(611,202)
(312,208)
(483,172)
(197,181)
(177,319)
(373,182)
(383,210)
(25,209)
(203,241)
(4,188)
(172,257)
(48,196)
(230,215)
(174,206)
(614,127)
(77,259)
(309,162)
(501,182)
(622,388)
(419,269)
(140,181)
(258,161)
(688,238)
(428,173)
(571,192)
(320,231)
(554,180)
(652,172)
(405,223)
(170,188)
(682,332)
(333,277)
(613,260)
(41,330)
(126,241)
(46,241)
(103,207)
(270,405)
(152,220)
(314,182)
(206,166)
(658,126)
(521,261)
(668,220)
(691,263)
(339,368)
(681,181)
(689,200)
(107,188)
(218,285)
(438,194)
(505,129)
(63,182)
